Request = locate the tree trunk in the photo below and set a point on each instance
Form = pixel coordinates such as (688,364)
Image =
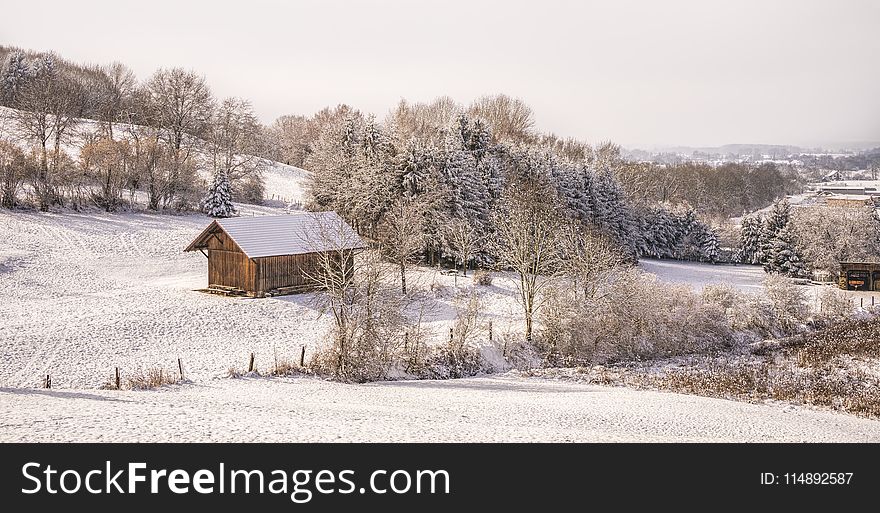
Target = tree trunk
(403,277)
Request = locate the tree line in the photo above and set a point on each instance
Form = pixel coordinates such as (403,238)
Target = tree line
(85,135)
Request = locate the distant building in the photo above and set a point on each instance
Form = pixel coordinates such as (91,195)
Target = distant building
(860,276)
(833,176)
(849,200)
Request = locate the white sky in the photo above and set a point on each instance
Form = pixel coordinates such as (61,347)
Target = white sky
(638,73)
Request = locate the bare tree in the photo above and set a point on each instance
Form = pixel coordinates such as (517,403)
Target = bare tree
(12,172)
(402,235)
(109,164)
(527,230)
(46,113)
(464,239)
(234,140)
(181,105)
(369,321)
(510,118)
(118,85)
(587,256)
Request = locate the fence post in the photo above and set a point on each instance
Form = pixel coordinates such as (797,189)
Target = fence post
(490,331)
(862,302)
(251,363)
(117,378)
(48,381)
(180,368)
(302,357)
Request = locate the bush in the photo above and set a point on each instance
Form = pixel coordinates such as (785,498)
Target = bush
(788,302)
(835,304)
(482,278)
(637,318)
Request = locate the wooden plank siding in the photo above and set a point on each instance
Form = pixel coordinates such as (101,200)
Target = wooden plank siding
(285,271)
(228,265)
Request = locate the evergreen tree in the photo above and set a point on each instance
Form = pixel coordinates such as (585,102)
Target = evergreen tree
(709,245)
(750,240)
(218,200)
(13,76)
(779,252)
(783,257)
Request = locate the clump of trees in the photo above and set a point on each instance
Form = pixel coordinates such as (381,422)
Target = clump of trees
(816,238)
(90,133)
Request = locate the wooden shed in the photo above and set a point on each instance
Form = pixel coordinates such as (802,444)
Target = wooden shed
(860,276)
(268,255)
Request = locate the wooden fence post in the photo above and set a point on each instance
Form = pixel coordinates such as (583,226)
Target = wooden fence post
(48,381)
(180,368)
(302,357)
(117,378)
(251,363)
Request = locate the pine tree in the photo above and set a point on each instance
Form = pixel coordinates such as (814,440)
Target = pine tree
(12,76)
(783,257)
(709,245)
(218,200)
(750,240)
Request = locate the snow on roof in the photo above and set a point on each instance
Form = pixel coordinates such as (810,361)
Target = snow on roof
(850,197)
(291,234)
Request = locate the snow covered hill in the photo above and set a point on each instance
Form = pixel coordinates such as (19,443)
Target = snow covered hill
(285,184)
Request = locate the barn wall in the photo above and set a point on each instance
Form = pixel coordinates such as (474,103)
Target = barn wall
(286,271)
(228,265)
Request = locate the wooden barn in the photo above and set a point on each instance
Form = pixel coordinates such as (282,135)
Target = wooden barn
(269,255)
(860,276)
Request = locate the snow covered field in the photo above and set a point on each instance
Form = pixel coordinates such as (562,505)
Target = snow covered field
(83,294)
(484,409)
(747,278)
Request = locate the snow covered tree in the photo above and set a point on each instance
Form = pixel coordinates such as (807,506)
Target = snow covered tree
(464,239)
(13,75)
(783,257)
(218,200)
(401,234)
(779,251)
(750,251)
(709,245)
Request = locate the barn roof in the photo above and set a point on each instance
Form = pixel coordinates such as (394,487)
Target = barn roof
(289,234)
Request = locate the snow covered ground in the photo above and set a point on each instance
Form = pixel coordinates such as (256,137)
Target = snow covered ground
(86,293)
(747,278)
(484,409)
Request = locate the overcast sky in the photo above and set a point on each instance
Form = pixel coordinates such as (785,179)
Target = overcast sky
(638,73)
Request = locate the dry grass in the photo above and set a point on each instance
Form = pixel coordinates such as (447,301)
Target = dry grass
(150,378)
(853,338)
(822,368)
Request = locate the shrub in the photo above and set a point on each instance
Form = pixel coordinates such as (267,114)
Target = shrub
(835,304)
(151,378)
(788,302)
(483,278)
(637,318)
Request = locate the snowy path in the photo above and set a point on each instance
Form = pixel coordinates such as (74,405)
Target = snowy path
(484,409)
